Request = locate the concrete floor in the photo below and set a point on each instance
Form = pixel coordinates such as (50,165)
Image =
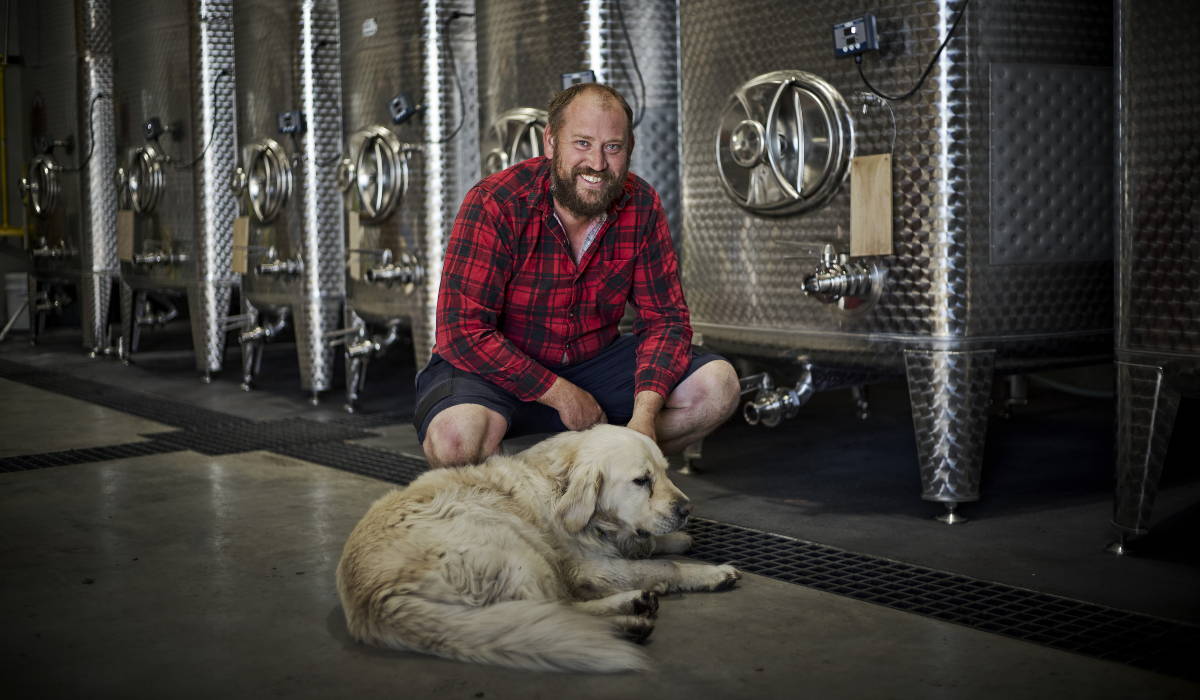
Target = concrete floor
(190,575)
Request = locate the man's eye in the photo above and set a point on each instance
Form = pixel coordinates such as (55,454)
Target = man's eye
(642,480)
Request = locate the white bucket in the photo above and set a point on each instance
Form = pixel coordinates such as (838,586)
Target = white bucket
(16,292)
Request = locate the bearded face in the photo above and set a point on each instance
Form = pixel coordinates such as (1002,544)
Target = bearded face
(582,201)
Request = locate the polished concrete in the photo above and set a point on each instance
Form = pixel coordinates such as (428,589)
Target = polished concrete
(36,421)
(189,575)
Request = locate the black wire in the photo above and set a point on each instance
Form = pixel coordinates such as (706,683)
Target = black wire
(632,55)
(91,134)
(462,100)
(910,93)
(212,132)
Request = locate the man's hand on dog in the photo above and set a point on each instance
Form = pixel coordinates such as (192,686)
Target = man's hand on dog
(577,408)
(646,407)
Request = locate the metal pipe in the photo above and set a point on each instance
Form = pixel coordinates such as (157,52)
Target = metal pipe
(7,229)
(161,318)
(13,319)
(772,406)
(47,252)
(156,258)
(279,267)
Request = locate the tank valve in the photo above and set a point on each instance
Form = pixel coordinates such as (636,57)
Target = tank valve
(279,267)
(405,271)
(773,405)
(837,276)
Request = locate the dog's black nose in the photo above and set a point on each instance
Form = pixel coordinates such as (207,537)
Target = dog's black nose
(682,508)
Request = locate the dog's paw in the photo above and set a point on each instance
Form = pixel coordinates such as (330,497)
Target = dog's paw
(659,587)
(635,629)
(728,577)
(646,604)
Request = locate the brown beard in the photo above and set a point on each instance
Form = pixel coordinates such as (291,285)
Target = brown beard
(562,186)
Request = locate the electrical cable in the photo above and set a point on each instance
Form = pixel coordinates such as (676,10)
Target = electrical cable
(636,69)
(211,134)
(91,133)
(462,100)
(932,63)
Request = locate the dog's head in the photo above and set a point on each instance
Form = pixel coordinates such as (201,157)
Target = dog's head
(616,478)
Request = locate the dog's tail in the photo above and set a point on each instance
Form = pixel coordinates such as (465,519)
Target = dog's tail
(521,634)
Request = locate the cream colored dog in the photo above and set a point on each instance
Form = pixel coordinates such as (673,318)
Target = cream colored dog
(526,561)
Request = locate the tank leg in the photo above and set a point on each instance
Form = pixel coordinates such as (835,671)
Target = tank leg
(356,377)
(862,404)
(1146,408)
(949,392)
(36,315)
(128,322)
(691,455)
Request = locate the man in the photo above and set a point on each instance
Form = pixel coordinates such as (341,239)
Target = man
(540,264)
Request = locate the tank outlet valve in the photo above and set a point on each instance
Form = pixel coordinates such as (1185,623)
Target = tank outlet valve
(158,258)
(406,270)
(773,405)
(279,267)
(837,276)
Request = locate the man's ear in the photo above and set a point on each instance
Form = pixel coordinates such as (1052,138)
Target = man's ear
(547,143)
(578,504)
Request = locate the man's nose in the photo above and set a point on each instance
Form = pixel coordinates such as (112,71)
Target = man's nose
(596,160)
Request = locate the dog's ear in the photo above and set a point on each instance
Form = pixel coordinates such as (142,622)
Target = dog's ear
(579,502)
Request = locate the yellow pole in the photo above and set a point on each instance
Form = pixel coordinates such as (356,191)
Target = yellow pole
(7,229)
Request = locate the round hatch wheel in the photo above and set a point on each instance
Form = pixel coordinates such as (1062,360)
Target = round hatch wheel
(515,136)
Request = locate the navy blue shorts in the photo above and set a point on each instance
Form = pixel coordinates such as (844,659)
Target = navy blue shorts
(608,377)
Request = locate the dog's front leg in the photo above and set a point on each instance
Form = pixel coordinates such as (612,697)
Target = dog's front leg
(604,577)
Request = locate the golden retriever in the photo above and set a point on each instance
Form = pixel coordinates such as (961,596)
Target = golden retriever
(534,561)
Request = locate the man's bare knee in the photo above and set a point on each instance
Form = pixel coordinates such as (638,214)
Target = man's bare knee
(712,390)
(462,435)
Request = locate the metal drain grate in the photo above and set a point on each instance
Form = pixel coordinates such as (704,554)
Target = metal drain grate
(265,435)
(371,462)
(1152,643)
(159,409)
(375,420)
(84,456)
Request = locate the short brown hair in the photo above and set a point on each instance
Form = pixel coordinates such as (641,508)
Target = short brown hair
(558,104)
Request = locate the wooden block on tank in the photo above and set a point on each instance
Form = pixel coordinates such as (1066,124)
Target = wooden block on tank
(125,235)
(871,205)
(241,244)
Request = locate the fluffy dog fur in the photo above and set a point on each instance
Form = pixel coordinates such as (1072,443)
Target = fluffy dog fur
(535,561)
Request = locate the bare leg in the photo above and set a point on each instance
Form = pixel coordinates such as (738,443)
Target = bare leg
(463,434)
(698,405)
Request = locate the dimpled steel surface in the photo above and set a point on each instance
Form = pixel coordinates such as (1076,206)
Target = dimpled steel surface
(1054,123)
(68,49)
(168,59)
(743,272)
(950,394)
(1158,246)
(388,48)
(525,47)
(288,60)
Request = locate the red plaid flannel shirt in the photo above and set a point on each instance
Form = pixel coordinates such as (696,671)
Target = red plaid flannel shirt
(513,303)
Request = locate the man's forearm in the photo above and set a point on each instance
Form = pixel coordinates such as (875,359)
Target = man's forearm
(646,407)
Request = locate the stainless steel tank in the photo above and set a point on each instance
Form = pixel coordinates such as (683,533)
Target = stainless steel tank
(71,206)
(290,136)
(530,51)
(174,100)
(986,209)
(1158,247)
(411,154)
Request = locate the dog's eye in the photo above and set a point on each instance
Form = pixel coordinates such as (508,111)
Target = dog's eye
(642,480)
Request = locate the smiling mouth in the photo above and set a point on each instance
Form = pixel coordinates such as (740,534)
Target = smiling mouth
(594,179)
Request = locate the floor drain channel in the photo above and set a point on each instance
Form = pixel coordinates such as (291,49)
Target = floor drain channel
(1152,643)
(176,414)
(372,462)
(84,456)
